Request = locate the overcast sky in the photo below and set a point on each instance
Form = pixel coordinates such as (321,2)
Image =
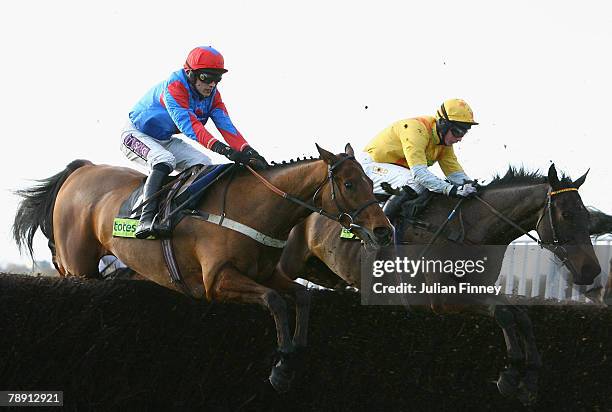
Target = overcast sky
(537,75)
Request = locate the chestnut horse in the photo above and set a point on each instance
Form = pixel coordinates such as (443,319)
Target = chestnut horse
(75,211)
(316,252)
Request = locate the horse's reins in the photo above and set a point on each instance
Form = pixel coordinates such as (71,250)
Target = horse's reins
(556,246)
(547,208)
(175,274)
(505,219)
(441,228)
(329,179)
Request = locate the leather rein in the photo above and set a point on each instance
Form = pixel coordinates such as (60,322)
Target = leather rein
(350,214)
(557,247)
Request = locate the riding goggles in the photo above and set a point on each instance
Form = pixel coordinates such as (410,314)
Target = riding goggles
(459,131)
(208,77)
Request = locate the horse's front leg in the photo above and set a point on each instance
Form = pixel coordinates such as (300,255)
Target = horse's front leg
(232,286)
(509,379)
(292,362)
(528,390)
(302,296)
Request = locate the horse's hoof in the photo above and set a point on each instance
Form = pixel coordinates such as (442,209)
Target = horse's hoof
(527,397)
(528,389)
(508,383)
(281,379)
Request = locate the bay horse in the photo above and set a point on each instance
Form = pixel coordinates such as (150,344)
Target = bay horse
(599,222)
(76,207)
(548,205)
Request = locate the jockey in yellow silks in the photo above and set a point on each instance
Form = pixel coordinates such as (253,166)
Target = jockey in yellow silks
(401,154)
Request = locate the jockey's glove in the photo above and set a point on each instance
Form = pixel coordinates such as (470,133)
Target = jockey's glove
(466,190)
(255,160)
(231,154)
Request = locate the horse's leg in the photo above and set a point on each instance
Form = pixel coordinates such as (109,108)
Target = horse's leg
(78,254)
(230,285)
(78,251)
(289,364)
(301,294)
(292,262)
(509,379)
(529,383)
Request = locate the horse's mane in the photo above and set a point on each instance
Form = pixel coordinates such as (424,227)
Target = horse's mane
(297,160)
(291,162)
(516,176)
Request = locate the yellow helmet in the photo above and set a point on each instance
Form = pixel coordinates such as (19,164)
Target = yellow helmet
(456,110)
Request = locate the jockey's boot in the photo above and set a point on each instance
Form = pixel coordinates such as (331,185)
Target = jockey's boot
(394,204)
(148,224)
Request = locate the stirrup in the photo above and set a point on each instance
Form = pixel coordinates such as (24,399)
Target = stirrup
(160,230)
(144,230)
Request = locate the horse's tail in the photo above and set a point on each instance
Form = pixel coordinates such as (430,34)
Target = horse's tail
(36,208)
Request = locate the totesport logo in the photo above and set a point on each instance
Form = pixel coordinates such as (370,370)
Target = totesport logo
(123,227)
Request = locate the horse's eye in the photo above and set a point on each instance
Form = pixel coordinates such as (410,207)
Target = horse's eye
(568,215)
(348,185)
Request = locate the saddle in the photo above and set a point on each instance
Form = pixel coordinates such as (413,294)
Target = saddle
(396,198)
(411,208)
(179,193)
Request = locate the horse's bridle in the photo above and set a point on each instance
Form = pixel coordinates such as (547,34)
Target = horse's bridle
(351,214)
(557,247)
(548,207)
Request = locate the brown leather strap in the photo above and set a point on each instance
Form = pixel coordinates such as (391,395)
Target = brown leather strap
(173,268)
(266,183)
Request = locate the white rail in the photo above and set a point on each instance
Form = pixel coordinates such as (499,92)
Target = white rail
(537,273)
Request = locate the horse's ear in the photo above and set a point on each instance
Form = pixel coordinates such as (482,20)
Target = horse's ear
(553,180)
(325,155)
(581,180)
(348,149)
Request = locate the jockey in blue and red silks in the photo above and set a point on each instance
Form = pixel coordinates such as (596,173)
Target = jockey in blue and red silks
(181,104)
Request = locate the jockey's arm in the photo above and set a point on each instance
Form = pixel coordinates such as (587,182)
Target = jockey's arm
(176,99)
(458,178)
(425,178)
(451,168)
(224,124)
(414,143)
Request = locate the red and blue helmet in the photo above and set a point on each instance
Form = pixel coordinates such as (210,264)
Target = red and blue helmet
(204,57)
